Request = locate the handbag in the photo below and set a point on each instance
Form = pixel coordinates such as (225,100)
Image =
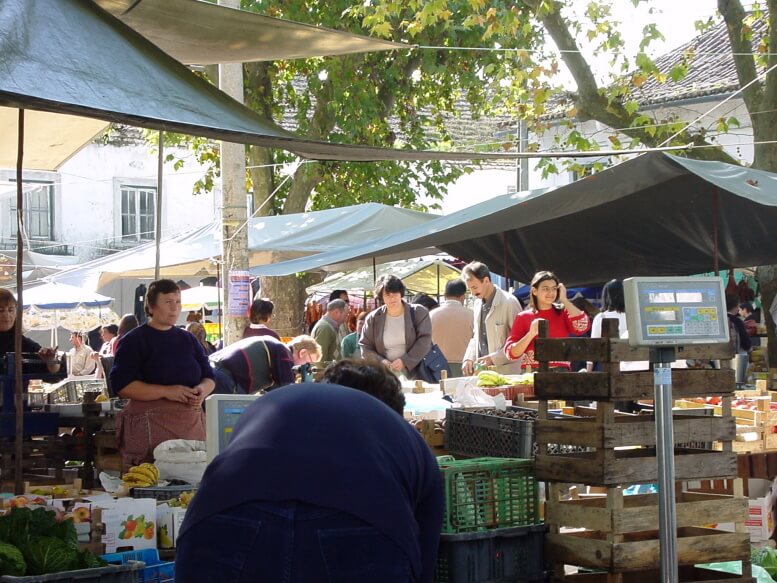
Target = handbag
(432,364)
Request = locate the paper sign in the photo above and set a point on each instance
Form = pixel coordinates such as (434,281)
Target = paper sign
(239,293)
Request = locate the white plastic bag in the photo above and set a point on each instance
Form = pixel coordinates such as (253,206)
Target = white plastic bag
(181,459)
(468,394)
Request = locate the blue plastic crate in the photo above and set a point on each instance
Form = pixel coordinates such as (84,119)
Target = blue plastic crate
(156,570)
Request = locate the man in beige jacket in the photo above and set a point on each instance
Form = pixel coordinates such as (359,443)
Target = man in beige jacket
(452,325)
(495,311)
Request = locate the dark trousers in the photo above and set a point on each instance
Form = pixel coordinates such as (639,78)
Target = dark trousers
(287,542)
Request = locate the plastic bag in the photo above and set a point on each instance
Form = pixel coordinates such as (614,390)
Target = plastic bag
(181,459)
(468,394)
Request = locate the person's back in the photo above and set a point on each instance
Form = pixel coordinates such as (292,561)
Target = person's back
(453,325)
(313,472)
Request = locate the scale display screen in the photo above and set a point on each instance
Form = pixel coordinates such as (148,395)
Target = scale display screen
(222,413)
(675,311)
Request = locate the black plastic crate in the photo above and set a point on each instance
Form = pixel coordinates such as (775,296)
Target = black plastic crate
(468,432)
(492,556)
(111,574)
(161,493)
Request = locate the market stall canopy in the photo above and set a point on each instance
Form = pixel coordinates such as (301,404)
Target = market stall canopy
(425,274)
(656,214)
(202,297)
(60,296)
(71,57)
(51,305)
(274,238)
(202,33)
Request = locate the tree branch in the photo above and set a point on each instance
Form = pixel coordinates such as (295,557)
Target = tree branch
(733,15)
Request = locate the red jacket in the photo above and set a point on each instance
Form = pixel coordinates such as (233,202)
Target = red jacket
(560,325)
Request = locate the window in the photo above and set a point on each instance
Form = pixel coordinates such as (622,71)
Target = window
(37,210)
(138,213)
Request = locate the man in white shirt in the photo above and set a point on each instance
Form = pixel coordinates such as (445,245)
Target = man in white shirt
(80,358)
(453,325)
(495,311)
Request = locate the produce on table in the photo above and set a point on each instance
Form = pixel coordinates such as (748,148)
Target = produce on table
(490,378)
(142,476)
(35,542)
(182,501)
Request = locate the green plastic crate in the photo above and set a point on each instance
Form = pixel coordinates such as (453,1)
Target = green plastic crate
(488,493)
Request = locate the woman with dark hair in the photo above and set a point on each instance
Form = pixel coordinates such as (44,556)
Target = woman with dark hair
(164,373)
(8,331)
(397,333)
(128,322)
(547,301)
(260,314)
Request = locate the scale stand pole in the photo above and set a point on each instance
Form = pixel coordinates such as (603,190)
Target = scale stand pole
(661,359)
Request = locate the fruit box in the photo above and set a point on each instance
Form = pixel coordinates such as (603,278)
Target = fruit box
(169,520)
(128,524)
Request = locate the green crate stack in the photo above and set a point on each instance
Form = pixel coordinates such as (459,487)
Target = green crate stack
(489,493)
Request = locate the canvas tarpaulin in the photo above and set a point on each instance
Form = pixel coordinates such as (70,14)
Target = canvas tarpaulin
(424,274)
(656,214)
(201,33)
(274,238)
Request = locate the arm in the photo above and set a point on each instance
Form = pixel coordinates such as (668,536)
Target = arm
(521,338)
(423,337)
(367,339)
(208,381)
(513,308)
(281,365)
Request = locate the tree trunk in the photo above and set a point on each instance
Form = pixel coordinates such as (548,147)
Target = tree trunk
(767,281)
(289,295)
(261,171)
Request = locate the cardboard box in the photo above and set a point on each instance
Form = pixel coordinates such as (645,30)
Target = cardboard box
(759,520)
(169,519)
(127,524)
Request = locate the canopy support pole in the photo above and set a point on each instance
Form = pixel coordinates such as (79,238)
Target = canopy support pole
(374,273)
(158,225)
(715,258)
(504,257)
(438,281)
(17,340)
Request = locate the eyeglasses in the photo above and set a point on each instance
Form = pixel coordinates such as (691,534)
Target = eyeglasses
(546,289)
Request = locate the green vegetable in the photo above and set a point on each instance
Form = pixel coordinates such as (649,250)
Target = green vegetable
(45,544)
(491,378)
(766,557)
(46,554)
(11,561)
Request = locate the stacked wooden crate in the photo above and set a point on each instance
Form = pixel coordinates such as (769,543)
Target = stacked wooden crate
(620,535)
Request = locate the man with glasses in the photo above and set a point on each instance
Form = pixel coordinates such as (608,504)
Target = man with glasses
(261,363)
(495,311)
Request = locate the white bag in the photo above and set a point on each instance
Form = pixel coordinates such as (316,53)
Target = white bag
(181,459)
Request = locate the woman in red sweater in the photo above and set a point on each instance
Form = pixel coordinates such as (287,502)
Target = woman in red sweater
(547,301)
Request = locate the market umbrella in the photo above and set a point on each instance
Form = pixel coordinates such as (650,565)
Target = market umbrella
(203,297)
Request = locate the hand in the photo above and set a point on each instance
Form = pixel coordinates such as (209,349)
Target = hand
(95,356)
(562,293)
(196,397)
(467,369)
(534,328)
(47,354)
(486,361)
(397,365)
(178,393)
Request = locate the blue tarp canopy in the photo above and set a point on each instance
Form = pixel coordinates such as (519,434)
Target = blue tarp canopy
(656,214)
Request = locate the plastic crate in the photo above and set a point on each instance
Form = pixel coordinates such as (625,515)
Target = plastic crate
(489,493)
(125,573)
(468,432)
(505,554)
(154,571)
(161,493)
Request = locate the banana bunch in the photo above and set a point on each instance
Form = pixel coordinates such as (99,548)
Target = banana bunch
(141,476)
(491,378)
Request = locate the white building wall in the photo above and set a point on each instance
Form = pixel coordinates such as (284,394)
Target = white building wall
(88,207)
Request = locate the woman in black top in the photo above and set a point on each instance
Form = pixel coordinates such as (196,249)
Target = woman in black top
(7,330)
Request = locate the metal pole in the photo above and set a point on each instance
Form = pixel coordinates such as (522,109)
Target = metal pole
(715,243)
(17,340)
(438,280)
(158,233)
(667,520)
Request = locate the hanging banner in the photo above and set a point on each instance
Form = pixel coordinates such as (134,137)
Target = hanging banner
(239,300)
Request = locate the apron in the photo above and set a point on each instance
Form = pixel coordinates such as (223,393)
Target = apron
(143,425)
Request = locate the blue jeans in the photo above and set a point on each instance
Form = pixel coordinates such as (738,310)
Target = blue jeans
(288,542)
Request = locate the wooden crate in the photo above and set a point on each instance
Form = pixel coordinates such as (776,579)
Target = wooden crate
(607,467)
(640,550)
(637,513)
(630,430)
(617,386)
(686,573)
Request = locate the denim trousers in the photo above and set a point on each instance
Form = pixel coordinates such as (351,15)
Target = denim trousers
(288,542)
